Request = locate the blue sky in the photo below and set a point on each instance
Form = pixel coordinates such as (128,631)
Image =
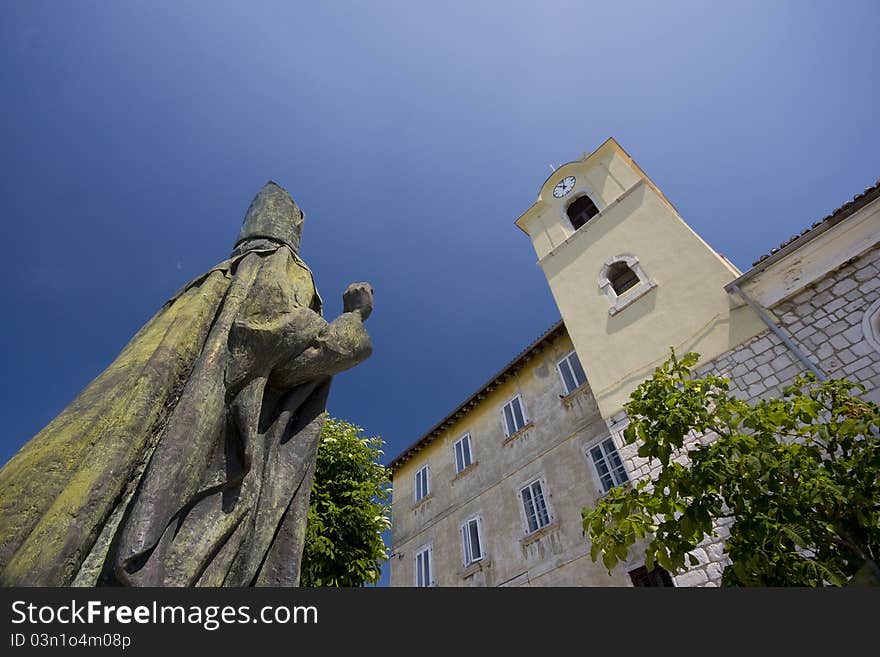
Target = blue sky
(413,134)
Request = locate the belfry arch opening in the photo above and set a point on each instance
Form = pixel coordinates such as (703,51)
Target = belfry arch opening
(581,210)
(622,277)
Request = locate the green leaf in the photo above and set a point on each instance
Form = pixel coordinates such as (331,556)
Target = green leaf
(349,509)
(801,475)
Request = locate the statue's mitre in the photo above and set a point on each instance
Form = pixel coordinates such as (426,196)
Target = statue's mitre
(273,215)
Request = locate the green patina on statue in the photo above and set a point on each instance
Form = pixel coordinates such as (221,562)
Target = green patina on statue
(189,460)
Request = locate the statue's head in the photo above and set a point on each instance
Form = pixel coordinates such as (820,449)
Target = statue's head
(272,216)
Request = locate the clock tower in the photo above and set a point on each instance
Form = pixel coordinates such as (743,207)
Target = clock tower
(630,277)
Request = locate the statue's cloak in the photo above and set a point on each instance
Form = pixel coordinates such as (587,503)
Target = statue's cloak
(183,463)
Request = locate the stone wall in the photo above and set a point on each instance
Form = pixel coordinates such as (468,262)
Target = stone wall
(825,320)
(551,447)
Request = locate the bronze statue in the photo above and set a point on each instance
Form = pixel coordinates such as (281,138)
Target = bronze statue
(189,460)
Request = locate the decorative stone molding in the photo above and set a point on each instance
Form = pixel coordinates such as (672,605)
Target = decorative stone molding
(540,533)
(871,325)
(464,472)
(581,390)
(519,434)
(476,567)
(422,504)
(619,302)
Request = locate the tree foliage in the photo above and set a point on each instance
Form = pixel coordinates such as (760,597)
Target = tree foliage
(799,477)
(349,509)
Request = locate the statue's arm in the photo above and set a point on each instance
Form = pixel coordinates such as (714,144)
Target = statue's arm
(342,344)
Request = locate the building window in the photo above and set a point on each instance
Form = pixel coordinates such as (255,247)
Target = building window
(462,450)
(572,373)
(424,566)
(472,540)
(514,416)
(423,483)
(535,506)
(656,577)
(581,210)
(608,465)
(623,280)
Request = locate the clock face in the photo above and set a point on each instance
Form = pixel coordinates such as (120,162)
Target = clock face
(563,187)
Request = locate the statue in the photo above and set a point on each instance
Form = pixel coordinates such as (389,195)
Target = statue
(189,460)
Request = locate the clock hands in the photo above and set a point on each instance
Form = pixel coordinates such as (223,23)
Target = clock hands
(564,186)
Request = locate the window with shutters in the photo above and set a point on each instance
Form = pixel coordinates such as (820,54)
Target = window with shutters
(608,465)
(424,567)
(423,482)
(514,416)
(535,507)
(472,540)
(463,453)
(572,373)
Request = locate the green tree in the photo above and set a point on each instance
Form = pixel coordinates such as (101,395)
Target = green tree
(799,477)
(349,509)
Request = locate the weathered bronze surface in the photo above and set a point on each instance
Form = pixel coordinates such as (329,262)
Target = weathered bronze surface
(189,460)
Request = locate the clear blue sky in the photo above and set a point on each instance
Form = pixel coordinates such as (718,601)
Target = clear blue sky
(134,135)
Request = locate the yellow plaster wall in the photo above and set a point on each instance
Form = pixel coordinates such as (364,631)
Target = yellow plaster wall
(688,309)
(553,446)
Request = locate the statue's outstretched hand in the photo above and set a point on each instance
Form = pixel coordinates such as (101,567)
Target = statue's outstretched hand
(358,297)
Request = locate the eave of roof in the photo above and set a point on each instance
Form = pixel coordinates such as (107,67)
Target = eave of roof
(505,373)
(797,241)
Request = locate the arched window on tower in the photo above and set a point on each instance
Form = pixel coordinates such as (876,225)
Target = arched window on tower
(581,210)
(622,277)
(623,280)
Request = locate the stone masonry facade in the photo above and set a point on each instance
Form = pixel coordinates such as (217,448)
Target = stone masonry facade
(825,320)
(814,304)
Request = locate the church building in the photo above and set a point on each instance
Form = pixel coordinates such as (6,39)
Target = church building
(491,495)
